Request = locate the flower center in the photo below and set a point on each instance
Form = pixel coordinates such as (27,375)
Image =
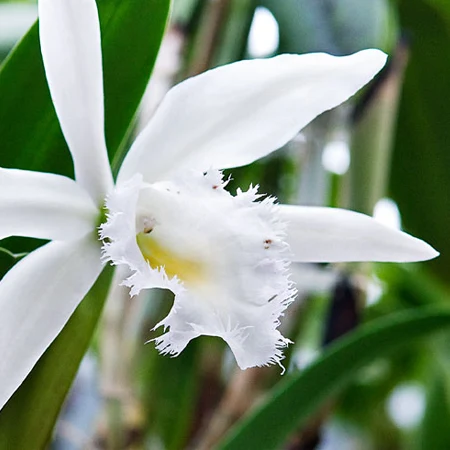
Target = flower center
(160,257)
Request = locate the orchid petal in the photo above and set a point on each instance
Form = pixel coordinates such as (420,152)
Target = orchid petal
(250,329)
(238,113)
(37,297)
(43,205)
(70,45)
(331,235)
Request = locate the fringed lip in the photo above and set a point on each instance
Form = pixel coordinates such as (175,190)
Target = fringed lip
(237,240)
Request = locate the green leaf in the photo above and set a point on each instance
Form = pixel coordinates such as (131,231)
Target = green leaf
(434,431)
(374,122)
(301,395)
(420,174)
(28,418)
(168,386)
(171,387)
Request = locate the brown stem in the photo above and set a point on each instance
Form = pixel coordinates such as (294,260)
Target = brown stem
(241,394)
(207,39)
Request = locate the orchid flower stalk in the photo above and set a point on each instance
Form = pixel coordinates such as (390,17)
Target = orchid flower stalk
(170,222)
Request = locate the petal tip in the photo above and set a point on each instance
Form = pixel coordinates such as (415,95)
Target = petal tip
(374,59)
(430,253)
(422,251)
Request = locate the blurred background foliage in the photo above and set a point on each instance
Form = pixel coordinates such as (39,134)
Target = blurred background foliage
(385,153)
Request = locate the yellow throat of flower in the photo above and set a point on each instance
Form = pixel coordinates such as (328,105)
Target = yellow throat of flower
(157,256)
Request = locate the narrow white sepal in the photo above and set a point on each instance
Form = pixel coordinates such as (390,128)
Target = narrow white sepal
(70,43)
(37,297)
(44,206)
(238,113)
(318,234)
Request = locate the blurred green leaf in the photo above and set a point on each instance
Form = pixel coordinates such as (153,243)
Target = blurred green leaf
(27,420)
(171,386)
(183,11)
(411,286)
(434,431)
(442,6)
(168,386)
(374,121)
(420,180)
(300,396)
(234,37)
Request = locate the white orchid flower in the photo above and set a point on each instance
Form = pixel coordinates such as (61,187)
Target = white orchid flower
(170,221)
